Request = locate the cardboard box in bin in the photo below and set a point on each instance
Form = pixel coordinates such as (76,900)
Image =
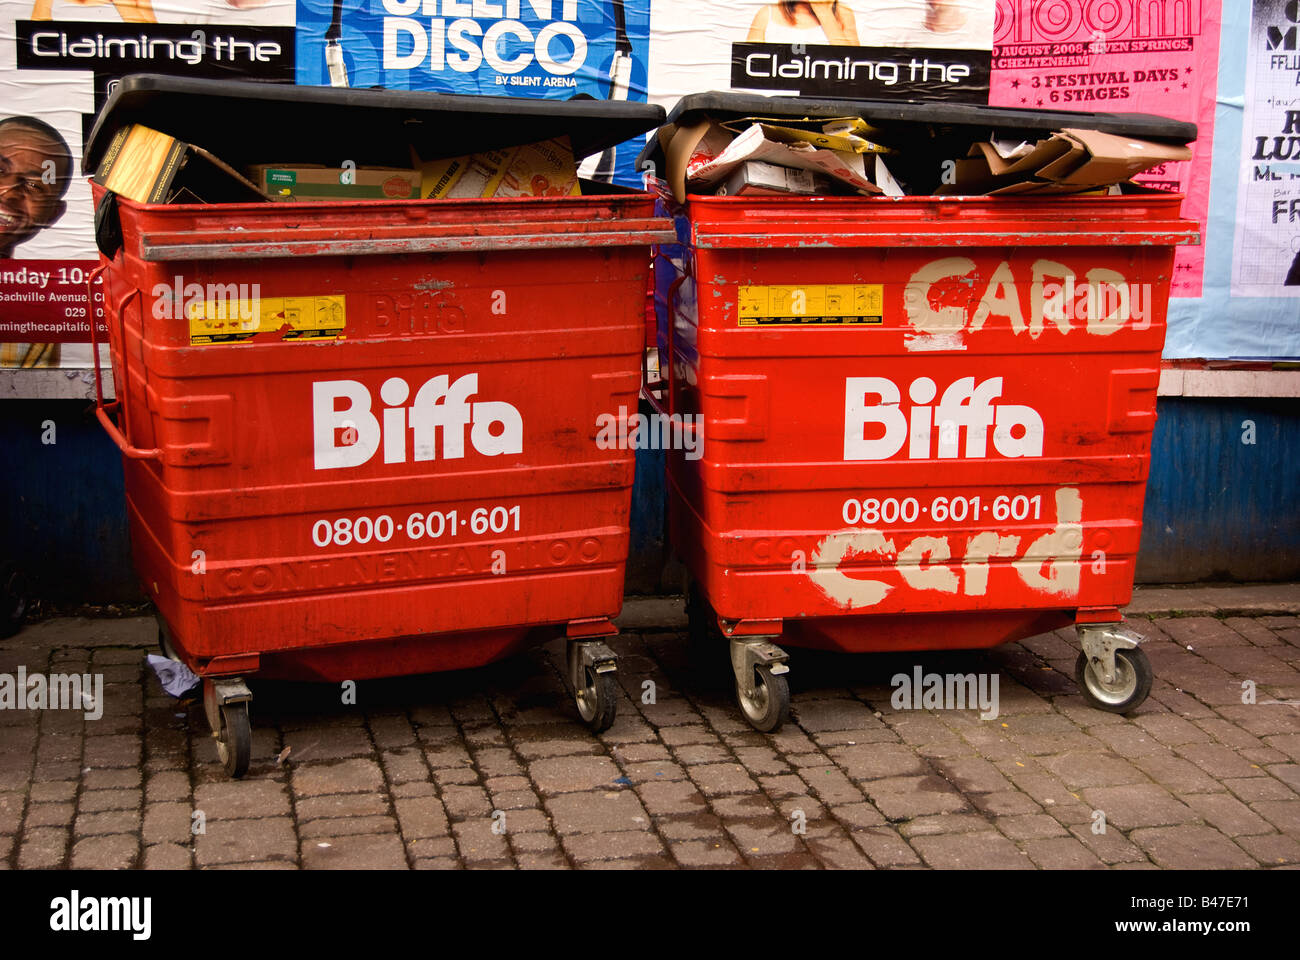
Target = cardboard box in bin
(309,181)
(545,169)
(1070,161)
(146,166)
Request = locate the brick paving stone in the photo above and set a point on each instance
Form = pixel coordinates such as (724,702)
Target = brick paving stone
(698,753)
(702,826)
(597,812)
(168,856)
(514,800)
(820,716)
(704,853)
(655,770)
(534,842)
(369,852)
(642,753)
(876,761)
(588,847)
(903,798)
(242,799)
(495,785)
(762,837)
(347,776)
(110,779)
(1283,814)
(167,823)
(858,815)
(246,841)
(50,815)
(691,734)
(971,851)
(663,798)
(972,775)
(341,805)
(466,802)
(95,801)
(404,765)
(542,861)
(746,806)
(1111,847)
(1271,849)
(414,789)
(1177,774)
(1079,770)
(831,786)
(1005,803)
(719,779)
(569,774)
(432,847)
(1288,773)
(463,776)
(447,755)
(421,818)
(1061,853)
(1172,730)
(838,853)
(1190,847)
(938,823)
(1227,814)
(345,826)
(761,760)
(43,847)
(117,852)
(1138,805)
(497,762)
(113,751)
(1255,789)
(110,821)
(1033,826)
(1218,761)
(54,791)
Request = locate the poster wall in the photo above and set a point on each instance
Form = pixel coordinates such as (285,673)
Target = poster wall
(1266,254)
(1233,69)
(1121,57)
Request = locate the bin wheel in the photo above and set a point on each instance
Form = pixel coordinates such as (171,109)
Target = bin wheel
(768,706)
(1132,681)
(13,600)
(235,741)
(597,699)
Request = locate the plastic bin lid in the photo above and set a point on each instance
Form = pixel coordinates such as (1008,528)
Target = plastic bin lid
(245,122)
(900,114)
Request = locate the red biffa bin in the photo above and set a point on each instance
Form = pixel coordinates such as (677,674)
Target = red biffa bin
(399,472)
(907,442)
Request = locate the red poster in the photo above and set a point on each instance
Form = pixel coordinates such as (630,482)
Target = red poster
(1120,56)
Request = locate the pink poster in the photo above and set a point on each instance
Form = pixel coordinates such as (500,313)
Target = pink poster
(1120,56)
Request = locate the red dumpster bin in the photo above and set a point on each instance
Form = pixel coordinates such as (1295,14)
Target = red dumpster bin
(926,421)
(403,477)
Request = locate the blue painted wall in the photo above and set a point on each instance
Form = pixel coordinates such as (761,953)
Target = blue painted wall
(62,514)
(1223,497)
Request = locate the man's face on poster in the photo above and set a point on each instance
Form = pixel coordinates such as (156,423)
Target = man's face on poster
(34,171)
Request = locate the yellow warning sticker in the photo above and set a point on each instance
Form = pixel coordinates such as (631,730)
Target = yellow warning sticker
(238,319)
(812,305)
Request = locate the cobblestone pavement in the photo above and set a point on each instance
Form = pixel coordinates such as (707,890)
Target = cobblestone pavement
(421,769)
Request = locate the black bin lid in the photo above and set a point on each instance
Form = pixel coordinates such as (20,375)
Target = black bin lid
(245,122)
(929,128)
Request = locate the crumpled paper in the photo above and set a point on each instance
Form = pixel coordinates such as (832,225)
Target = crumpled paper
(176,678)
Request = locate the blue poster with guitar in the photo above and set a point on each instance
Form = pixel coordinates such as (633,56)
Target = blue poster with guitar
(519,48)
